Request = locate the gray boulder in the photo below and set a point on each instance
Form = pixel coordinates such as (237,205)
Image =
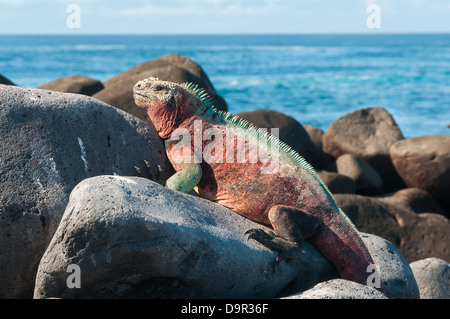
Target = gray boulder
(433,278)
(392,272)
(339,289)
(132,238)
(395,273)
(50,142)
(5,81)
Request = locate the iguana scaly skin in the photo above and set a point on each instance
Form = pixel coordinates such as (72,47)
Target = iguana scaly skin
(289,195)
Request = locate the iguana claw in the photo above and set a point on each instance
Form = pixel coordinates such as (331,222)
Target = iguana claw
(286,249)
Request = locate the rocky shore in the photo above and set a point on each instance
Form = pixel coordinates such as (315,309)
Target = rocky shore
(69,196)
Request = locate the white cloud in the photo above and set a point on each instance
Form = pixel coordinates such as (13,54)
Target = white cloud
(225,16)
(208,7)
(14,2)
(151,10)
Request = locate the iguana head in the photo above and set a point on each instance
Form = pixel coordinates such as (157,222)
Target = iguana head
(168,104)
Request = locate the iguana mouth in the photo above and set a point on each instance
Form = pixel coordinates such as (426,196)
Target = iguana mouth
(141,94)
(145,100)
(141,99)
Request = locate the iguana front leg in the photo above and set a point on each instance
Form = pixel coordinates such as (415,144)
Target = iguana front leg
(291,226)
(186,178)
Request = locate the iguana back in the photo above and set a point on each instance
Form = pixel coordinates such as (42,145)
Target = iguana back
(230,161)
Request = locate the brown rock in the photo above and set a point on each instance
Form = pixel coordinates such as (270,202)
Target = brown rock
(74,84)
(413,199)
(416,236)
(370,216)
(367,133)
(176,68)
(291,132)
(424,162)
(190,66)
(337,183)
(315,134)
(367,180)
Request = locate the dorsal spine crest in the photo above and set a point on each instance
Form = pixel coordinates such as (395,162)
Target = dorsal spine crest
(204,96)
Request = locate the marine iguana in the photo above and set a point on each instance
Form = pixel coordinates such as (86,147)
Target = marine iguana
(277,188)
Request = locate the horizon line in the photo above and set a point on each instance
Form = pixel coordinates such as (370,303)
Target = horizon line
(234,34)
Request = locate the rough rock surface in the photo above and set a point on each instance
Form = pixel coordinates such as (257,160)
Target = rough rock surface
(176,68)
(367,133)
(338,183)
(433,278)
(315,134)
(339,289)
(413,199)
(392,271)
(291,132)
(396,275)
(74,84)
(367,180)
(133,238)
(424,162)
(417,236)
(50,142)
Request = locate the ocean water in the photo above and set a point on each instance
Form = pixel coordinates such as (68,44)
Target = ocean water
(313,78)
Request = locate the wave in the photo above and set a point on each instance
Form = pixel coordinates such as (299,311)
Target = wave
(99,47)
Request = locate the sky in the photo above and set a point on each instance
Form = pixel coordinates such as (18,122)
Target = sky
(223,16)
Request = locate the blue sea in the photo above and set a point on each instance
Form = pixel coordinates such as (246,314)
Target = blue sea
(313,78)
